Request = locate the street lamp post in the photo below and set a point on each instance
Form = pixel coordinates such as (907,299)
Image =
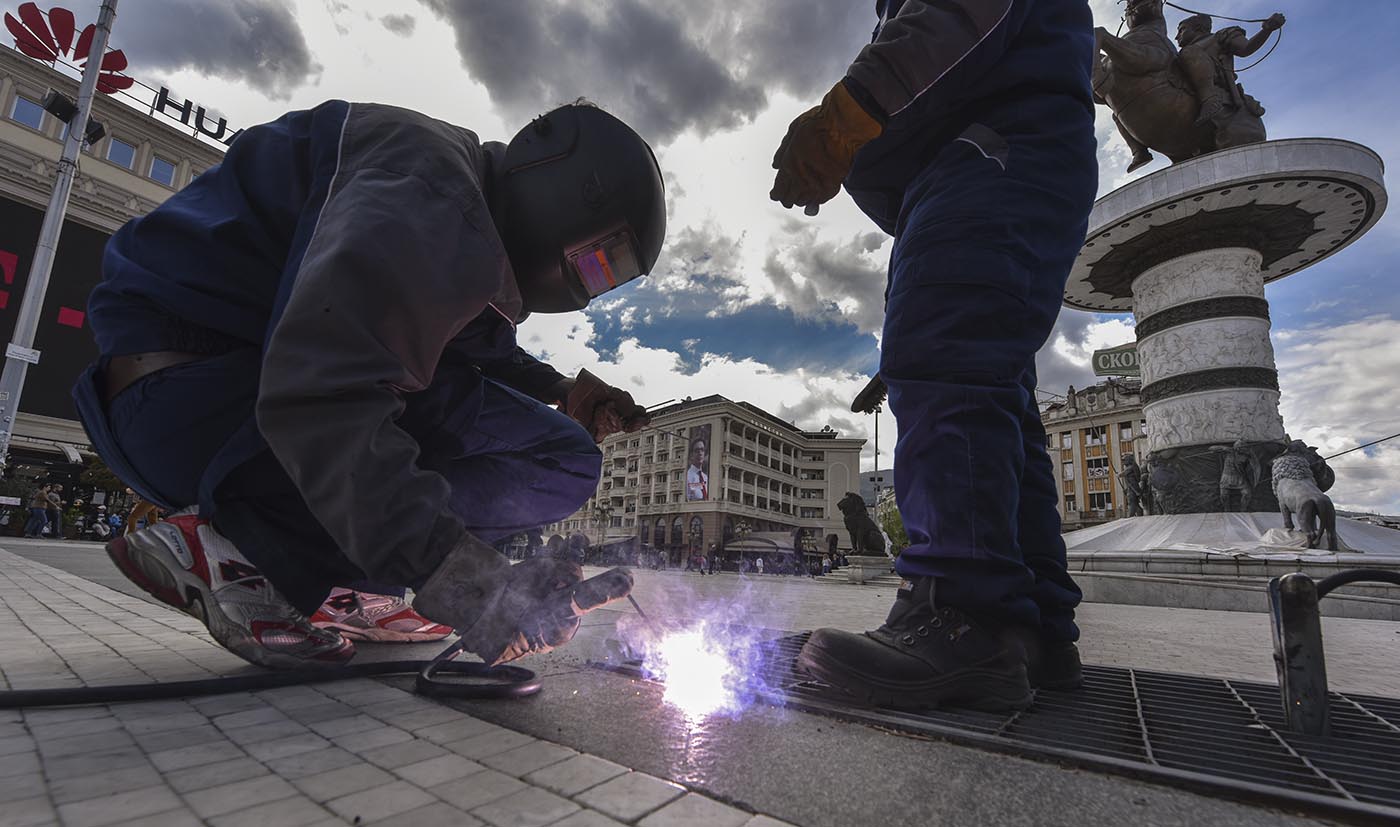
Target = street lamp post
(20,353)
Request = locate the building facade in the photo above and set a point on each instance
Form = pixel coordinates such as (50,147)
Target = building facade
(710,471)
(1087,434)
(141,161)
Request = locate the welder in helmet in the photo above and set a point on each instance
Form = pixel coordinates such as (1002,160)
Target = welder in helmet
(310,354)
(965,129)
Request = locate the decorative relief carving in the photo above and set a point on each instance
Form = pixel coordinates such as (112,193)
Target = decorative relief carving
(1206,345)
(1204,309)
(1219,416)
(1218,379)
(1224,272)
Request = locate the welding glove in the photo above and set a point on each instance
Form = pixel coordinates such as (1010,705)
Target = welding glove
(819,149)
(504,611)
(601,408)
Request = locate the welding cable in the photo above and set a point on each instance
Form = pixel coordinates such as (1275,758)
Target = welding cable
(441,677)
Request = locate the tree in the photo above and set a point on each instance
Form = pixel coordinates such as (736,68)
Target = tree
(100,477)
(893,525)
(602,517)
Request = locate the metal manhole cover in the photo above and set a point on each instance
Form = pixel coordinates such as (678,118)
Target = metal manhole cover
(1218,736)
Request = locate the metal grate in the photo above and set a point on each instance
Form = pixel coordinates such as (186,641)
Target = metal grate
(1212,735)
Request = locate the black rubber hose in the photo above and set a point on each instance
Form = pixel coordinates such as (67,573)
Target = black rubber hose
(1342,578)
(496,682)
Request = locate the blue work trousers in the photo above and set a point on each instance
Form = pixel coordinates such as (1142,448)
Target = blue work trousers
(982,253)
(513,462)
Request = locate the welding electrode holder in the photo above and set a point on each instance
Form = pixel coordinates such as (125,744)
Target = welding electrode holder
(1298,654)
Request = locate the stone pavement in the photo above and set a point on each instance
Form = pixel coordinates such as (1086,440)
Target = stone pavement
(354,752)
(329,753)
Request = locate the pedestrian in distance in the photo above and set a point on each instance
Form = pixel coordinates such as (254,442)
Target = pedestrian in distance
(38,512)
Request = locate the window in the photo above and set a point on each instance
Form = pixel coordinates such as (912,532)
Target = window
(1071,504)
(121,153)
(1100,502)
(1096,435)
(1067,471)
(27,112)
(1066,440)
(162,171)
(811,513)
(1096,467)
(1125,432)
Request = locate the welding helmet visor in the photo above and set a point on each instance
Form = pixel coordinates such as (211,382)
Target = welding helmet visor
(583,208)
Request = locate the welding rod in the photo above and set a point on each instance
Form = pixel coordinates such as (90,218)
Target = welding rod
(654,628)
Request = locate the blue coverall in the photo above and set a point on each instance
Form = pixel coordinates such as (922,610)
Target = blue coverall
(360,402)
(984,173)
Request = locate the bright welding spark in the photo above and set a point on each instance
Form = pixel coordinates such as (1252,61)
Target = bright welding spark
(697,675)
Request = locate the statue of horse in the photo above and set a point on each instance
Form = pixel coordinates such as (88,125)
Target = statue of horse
(1154,103)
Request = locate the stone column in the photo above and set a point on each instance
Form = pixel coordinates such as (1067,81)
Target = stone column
(1208,374)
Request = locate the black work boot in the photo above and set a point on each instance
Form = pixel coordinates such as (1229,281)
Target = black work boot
(923,657)
(1055,666)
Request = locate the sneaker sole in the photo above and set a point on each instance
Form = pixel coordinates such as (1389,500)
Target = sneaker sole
(158,572)
(985,690)
(378,635)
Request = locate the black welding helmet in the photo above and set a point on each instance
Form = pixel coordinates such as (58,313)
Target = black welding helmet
(582,208)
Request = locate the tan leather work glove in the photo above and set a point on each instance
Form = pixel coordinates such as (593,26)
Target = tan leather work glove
(503,611)
(819,149)
(602,409)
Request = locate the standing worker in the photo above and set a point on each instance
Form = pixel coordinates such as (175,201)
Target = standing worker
(965,129)
(310,354)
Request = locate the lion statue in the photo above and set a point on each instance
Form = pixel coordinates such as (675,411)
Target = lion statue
(865,535)
(1297,491)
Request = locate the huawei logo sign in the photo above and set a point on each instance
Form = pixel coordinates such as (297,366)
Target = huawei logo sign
(58,36)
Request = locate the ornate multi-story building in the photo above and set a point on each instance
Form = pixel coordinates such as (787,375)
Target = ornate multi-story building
(1087,434)
(712,470)
(142,160)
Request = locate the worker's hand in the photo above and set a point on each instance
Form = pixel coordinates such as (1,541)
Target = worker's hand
(602,409)
(505,612)
(820,146)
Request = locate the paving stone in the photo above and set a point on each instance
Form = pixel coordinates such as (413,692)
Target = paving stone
(170,818)
(123,806)
(288,812)
(85,744)
(193,756)
(766,821)
(285,747)
(588,818)
(344,781)
(227,798)
(264,732)
(336,727)
(464,727)
(631,796)
(361,742)
(311,763)
(16,744)
(435,771)
(176,738)
(417,717)
(214,775)
(109,782)
(261,714)
(573,776)
(691,810)
(29,812)
(477,789)
(23,785)
(75,713)
(164,723)
(380,802)
(86,764)
(403,753)
(433,815)
(326,710)
(65,729)
(531,807)
(523,760)
(20,763)
(227,704)
(490,743)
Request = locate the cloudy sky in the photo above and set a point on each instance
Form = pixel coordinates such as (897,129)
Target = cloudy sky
(749,300)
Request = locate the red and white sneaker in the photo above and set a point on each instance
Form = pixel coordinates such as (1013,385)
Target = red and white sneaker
(380,618)
(184,562)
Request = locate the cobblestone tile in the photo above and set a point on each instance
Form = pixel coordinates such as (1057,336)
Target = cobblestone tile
(523,760)
(631,796)
(123,806)
(766,821)
(464,727)
(23,785)
(193,756)
(114,780)
(576,774)
(311,763)
(214,775)
(285,747)
(165,723)
(261,714)
(264,732)
(531,807)
(227,704)
(29,812)
(169,818)
(341,782)
(15,744)
(588,818)
(403,753)
(435,771)
(288,812)
(85,744)
(691,810)
(92,763)
(19,763)
(175,738)
(380,802)
(477,789)
(490,743)
(65,729)
(325,710)
(336,727)
(433,815)
(227,798)
(360,742)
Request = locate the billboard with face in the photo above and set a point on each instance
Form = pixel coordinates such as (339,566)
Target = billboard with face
(697,472)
